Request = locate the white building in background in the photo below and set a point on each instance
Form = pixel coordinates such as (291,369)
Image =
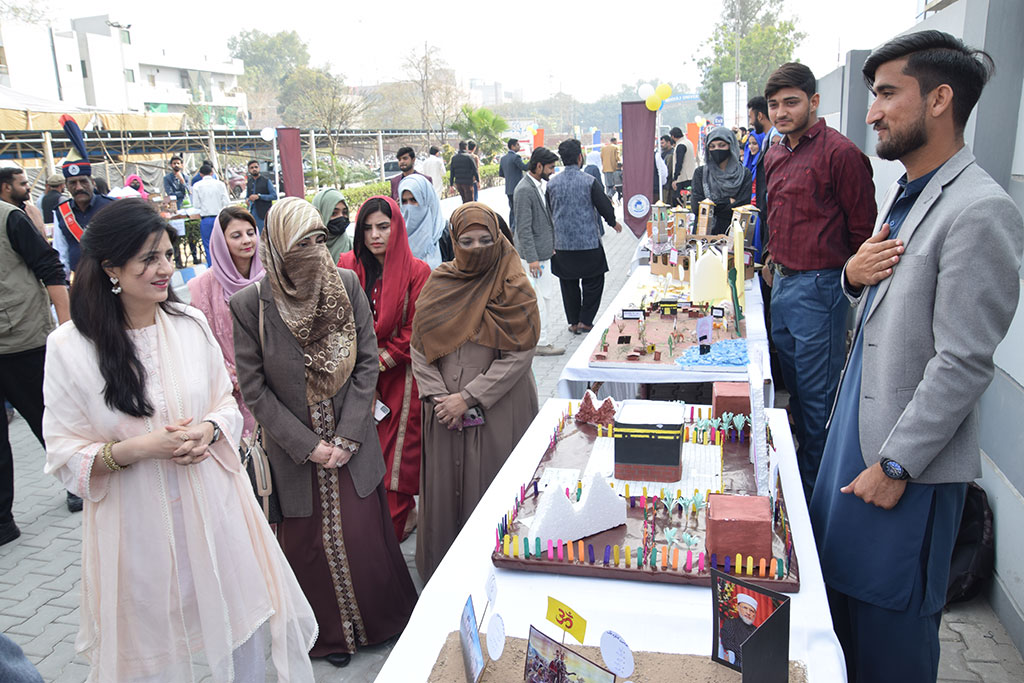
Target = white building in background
(98,64)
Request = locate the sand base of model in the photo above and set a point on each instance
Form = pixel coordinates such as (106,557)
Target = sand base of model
(651,667)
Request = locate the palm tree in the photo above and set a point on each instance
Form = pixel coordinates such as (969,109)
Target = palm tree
(483,126)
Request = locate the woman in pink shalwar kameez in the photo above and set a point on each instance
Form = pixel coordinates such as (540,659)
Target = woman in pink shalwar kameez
(181,576)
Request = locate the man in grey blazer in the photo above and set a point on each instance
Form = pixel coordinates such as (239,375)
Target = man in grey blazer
(535,239)
(933,304)
(511,168)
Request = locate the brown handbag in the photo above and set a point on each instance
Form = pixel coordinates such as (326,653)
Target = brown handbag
(255,460)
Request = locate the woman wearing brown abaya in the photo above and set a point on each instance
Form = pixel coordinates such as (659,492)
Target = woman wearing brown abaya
(473,338)
(308,377)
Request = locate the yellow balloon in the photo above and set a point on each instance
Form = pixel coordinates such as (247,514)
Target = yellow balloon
(663,91)
(653,102)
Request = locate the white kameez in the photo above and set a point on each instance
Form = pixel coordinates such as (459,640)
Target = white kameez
(179,567)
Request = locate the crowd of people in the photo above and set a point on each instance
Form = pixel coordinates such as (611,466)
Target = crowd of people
(391,359)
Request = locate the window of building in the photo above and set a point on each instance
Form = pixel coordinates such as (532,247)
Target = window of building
(3,60)
(129,75)
(70,68)
(152,80)
(186,82)
(126,37)
(85,73)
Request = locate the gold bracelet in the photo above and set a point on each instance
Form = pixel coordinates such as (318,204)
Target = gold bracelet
(108,457)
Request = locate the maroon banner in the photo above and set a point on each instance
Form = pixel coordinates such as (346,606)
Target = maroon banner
(637,164)
(289,147)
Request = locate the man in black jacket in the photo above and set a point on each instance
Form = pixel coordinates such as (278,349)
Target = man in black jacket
(259,192)
(462,173)
(511,169)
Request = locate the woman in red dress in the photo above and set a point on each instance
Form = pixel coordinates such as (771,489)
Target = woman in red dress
(392,279)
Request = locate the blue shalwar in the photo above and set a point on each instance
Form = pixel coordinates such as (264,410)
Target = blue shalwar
(886,570)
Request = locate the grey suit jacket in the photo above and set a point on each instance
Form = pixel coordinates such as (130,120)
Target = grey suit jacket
(934,324)
(535,233)
(273,384)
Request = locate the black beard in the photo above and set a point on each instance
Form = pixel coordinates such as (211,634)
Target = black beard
(758,128)
(899,144)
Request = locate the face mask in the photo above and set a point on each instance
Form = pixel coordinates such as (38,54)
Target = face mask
(135,185)
(336,226)
(413,215)
(720,155)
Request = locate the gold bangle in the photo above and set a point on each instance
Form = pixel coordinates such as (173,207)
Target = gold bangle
(108,457)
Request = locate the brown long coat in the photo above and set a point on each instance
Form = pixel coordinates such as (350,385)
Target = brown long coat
(458,467)
(275,392)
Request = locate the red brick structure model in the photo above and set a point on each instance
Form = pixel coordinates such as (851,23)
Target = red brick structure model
(739,524)
(731,397)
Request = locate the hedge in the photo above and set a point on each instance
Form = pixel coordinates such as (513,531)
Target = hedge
(355,196)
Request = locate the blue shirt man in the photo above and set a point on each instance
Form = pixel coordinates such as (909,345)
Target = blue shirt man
(73,215)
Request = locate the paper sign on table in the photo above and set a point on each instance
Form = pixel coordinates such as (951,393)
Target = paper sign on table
(469,638)
(566,619)
(491,586)
(616,654)
(704,326)
(495,636)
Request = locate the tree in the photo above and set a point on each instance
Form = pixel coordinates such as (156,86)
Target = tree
(269,59)
(388,105)
(765,42)
(318,99)
(483,126)
(30,12)
(440,98)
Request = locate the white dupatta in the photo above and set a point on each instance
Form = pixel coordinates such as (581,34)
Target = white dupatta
(178,564)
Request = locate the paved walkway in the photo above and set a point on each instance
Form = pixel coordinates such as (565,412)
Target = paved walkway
(40,572)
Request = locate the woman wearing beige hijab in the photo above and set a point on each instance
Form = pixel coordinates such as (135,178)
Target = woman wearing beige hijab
(473,337)
(309,380)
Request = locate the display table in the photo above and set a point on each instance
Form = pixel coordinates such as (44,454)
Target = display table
(620,383)
(650,616)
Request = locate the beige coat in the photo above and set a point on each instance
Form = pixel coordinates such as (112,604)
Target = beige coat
(459,466)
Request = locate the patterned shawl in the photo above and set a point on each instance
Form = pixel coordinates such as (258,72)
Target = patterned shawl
(310,296)
(482,296)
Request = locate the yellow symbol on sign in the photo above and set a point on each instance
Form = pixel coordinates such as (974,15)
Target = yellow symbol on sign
(567,619)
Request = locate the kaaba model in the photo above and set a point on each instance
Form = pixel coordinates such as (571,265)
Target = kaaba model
(648,441)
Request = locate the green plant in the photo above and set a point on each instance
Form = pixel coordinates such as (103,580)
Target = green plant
(355,196)
(333,172)
(481,125)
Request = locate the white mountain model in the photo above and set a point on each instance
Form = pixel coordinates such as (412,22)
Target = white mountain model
(598,509)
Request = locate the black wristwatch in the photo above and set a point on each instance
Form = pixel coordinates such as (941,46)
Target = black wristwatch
(216,431)
(893,469)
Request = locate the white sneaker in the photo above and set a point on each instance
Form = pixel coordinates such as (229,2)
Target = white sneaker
(549,350)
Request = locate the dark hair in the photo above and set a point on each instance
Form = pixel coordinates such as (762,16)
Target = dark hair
(512,142)
(613,139)
(116,234)
(101,185)
(676,132)
(7,174)
(791,75)
(542,156)
(668,138)
(235,213)
(570,151)
(743,128)
(471,144)
(177,157)
(370,263)
(462,145)
(206,168)
(402,151)
(251,162)
(934,58)
(758,103)
(433,150)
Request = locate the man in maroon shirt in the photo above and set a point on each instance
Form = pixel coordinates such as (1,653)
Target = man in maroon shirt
(407,165)
(821,207)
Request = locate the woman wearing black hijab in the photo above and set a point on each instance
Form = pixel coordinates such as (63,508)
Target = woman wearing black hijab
(722,178)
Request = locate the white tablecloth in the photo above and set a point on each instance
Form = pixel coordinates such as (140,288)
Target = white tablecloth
(653,617)
(622,383)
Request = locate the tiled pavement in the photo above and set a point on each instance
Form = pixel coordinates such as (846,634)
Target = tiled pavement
(40,572)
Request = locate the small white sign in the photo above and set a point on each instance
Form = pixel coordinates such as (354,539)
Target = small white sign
(616,654)
(496,637)
(673,257)
(638,206)
(491,587)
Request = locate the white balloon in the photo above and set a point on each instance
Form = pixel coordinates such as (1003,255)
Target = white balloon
(645,91)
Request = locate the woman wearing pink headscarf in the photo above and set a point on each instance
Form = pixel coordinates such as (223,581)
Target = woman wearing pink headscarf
(135,182)
(235,263)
